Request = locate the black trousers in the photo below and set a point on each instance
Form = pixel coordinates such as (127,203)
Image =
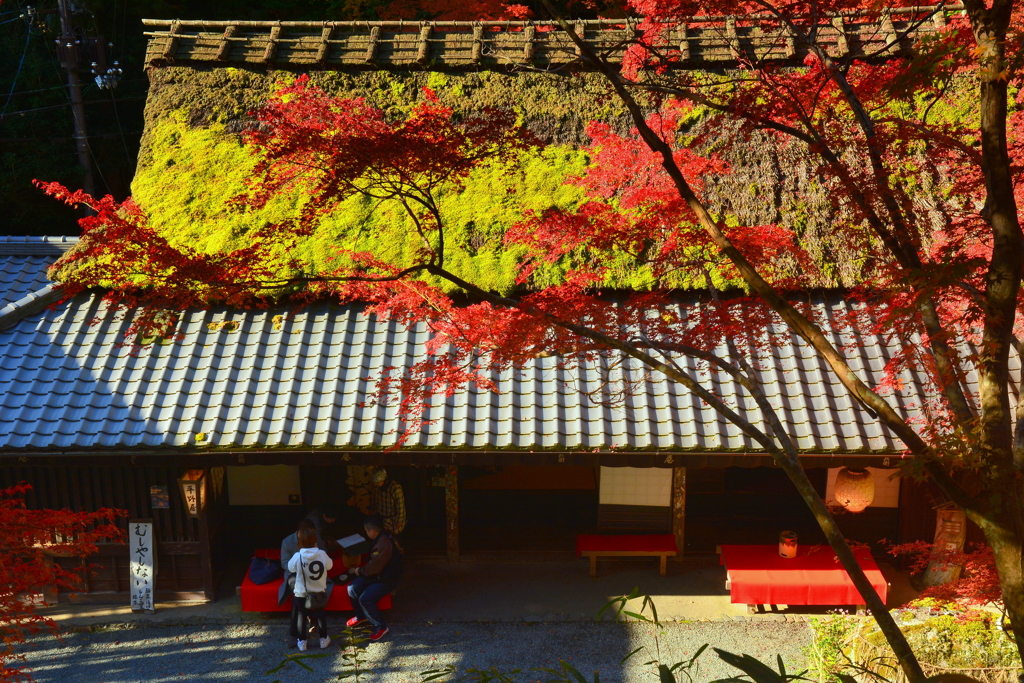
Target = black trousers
(294,626)
(316,617)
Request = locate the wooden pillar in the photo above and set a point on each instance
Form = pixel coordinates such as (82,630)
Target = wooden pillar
(451,511)
(679,507)
(205,561)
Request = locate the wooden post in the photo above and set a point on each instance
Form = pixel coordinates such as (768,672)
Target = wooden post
(684,44)
(371,47)
(842,44)
(451,511)
(325,44)
(268,52)
(950,534)
(478,43)
(423,49)
(733,37)
(679,508)
(205,559)
(225,43)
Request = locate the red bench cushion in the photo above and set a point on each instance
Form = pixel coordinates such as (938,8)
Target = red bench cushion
(263,598)
(650,543)
(759,576)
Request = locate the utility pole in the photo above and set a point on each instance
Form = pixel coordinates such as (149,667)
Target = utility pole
(70,50)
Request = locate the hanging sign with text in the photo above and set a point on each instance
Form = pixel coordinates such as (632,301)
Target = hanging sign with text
(142,552)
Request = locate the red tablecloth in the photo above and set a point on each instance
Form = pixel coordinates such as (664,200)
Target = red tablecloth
(653,543)
(759,576)
(263,597)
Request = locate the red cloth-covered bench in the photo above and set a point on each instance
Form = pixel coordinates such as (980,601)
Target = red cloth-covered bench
(757,575)
(626,545)
(263,597)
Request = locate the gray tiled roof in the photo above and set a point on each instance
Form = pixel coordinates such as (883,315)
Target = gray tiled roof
(68,384)
(23,264)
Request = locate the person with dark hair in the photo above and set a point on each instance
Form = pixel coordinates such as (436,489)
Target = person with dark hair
(388,500)
(310,566)
(376,578)
(322,517)
(290,546)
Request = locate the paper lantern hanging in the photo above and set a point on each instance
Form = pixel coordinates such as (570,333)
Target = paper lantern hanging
(855,489)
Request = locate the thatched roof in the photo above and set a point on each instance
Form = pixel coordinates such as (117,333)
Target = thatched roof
(697,43)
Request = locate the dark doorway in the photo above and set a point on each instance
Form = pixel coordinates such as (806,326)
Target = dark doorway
(736,505)
(520,508)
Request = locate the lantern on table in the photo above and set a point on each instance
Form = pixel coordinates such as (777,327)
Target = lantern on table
(787,544)
(855,489)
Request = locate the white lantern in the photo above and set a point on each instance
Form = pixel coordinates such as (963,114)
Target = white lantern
(855,489)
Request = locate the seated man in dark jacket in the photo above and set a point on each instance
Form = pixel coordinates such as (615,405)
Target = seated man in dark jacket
(376,578)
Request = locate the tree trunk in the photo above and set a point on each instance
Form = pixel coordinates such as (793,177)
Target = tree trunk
(1003,533)
(900,647)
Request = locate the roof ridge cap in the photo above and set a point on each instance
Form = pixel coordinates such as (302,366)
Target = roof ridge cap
(33,302)
(36,245)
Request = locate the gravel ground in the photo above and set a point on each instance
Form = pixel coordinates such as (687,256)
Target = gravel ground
(246,652)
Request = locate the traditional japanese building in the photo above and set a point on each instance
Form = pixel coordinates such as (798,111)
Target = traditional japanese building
(273,412)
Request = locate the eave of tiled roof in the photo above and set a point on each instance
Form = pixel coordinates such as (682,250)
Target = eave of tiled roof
(69,384)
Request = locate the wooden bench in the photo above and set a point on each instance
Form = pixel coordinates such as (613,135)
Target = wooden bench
(263,597)
(626,545)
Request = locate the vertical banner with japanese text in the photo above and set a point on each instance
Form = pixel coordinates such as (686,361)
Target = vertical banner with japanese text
(142,552)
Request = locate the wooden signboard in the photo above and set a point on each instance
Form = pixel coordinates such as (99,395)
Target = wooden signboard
(142,570)
(950,533)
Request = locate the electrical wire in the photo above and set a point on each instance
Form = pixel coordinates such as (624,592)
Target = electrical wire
(92,154)
(124,142)
(17,73)
(62,106)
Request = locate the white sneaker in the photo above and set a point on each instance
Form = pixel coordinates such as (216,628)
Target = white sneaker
(324,642)
(302,645)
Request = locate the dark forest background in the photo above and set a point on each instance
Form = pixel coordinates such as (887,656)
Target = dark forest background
(36,125)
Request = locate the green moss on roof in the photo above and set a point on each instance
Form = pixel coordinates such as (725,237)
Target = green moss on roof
(193,162)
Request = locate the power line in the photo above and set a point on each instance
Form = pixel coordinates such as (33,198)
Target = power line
(124,142)
(14,83)
(68,104)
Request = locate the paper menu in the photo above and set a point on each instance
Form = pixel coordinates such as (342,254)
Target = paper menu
(350,541)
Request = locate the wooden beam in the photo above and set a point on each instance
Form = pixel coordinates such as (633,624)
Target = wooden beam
(225,43)
(889,35)
(171,46)
(423,50)
(679,508)
(684,43)
(205,553)
(733,37)
(843,45)
(325,44)
(529,33)
(478,43)
(268,53)
(451,511)
(371,49)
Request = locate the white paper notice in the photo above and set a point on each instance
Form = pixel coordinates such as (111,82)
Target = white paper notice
(349,541)
(142,568)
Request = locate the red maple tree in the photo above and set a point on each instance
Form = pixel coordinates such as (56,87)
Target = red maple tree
(978,583)
(29,539)
(947,291)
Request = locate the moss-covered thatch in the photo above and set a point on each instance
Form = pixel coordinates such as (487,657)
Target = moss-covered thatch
(192,162)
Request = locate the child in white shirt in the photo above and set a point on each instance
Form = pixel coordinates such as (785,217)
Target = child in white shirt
(310,566)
